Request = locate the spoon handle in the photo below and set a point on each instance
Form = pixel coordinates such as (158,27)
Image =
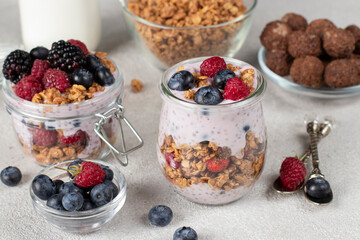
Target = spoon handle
(313,128)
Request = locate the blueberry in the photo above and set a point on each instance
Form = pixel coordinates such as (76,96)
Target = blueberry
(69,187)
(39,53)
(77,123)
(103,76)
(246,128)
(208,95)
(318,190)
(185,233)
(101,194)
(11,176)
(181,81)
(55,201)
(72,201)
(222,76)
(110,184)
(75,162)
(92,62)
(87,205)
(43,187)
(109,174)
(82,77)
(160,215)
(58,184)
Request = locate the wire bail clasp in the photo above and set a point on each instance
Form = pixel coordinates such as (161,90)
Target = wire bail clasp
(118,113)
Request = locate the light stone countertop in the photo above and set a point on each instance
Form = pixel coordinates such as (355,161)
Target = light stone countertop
(262,214)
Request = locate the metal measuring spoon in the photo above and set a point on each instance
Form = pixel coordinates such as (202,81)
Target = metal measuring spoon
(278,186)
(317,189)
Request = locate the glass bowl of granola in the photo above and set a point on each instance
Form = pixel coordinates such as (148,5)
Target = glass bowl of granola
(170,32)
(56,122)
(211,154)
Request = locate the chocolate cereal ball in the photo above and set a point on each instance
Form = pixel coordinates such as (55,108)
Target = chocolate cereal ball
(279,61)
(355,59)
(341,73)
(295,21)
(307,71)
(318,26)
(274,35)
(338,42)
(301,43)
(355,30)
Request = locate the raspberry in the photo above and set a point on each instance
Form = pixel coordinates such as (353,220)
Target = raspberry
(211,66)
(80,44)
(235,89)
(88,174)
(39,68)
(28,87)
(170,160)
(17,65)
(292,172)
(43,137)
(215,165)
(79,138)
(55,78)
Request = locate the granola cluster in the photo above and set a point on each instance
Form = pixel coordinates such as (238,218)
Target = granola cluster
(76,93)
(192,162)
(177,44)
(136,85)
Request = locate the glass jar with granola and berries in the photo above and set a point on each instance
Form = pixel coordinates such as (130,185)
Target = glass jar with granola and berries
(64,102)
(212,138)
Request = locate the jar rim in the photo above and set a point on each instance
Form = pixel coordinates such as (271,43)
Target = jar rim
(152,24)
(254,97)
(10,99)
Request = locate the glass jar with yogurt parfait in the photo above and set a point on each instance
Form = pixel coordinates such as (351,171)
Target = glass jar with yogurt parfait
(212,154)
(51,133)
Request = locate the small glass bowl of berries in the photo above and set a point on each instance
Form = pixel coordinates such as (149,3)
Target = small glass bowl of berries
(80,195)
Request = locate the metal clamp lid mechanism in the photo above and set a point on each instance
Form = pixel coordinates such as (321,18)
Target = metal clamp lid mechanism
(118,113)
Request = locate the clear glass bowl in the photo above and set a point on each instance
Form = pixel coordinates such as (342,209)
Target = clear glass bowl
(31,119)
(82,221)
(191,135)
(162,45)
(288,84)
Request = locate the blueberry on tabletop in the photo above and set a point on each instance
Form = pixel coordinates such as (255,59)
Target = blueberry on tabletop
(101,194)
(87,205)
(208,95)
(112,186)
(55,201)
(58,184)
(160,215)
(82,77)
(72,201)
(69,187)
(11,176)
(39,53)
(222,76)
(75,162)
(185,233)
(181,81)
(109,174)
(103,76)
(92,62)
(43,187)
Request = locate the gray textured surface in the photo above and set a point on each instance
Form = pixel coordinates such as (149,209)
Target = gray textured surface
(261,214)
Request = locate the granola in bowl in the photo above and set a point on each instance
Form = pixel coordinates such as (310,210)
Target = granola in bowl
(170,32)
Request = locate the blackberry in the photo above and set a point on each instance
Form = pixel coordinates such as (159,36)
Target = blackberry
(17,65)
(66,57)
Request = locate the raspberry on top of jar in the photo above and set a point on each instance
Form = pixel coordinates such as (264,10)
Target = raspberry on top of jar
(67,73)
(212,82)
